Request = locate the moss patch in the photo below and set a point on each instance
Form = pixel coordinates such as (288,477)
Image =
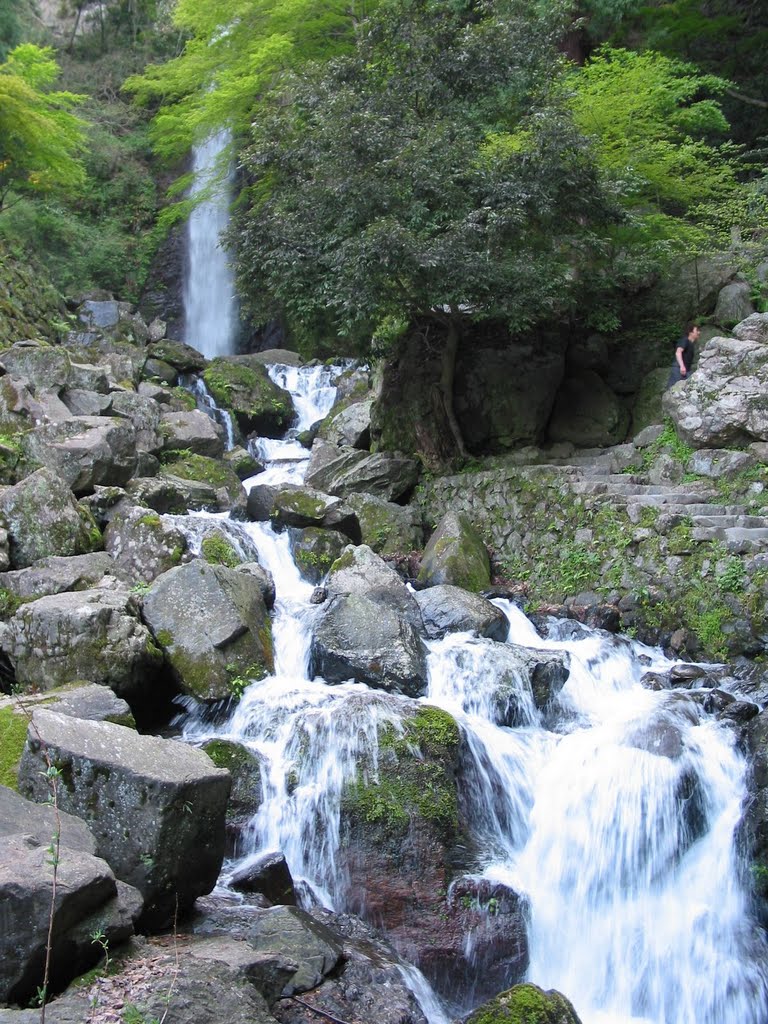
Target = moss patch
(217,550)
(415,777)
(13,735)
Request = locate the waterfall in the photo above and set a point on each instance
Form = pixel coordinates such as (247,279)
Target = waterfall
(614,815)
(210,308)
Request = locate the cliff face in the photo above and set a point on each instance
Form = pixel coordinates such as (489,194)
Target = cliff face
(29,304)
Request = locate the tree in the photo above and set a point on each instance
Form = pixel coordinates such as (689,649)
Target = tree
(234,51)
(654,122)
(431,177)
(41,138)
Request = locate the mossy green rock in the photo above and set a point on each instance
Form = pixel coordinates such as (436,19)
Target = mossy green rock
(214,627)
(315,551)
(387,528)
(526,1004)
(43,518)
(244,800)
(243,386)
(456,554)
(29,304)
(216,473)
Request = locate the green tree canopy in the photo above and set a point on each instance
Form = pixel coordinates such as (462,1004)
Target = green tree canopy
(234,51)
(41,138)
(433,174)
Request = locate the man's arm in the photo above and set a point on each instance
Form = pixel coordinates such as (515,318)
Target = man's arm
(680,362)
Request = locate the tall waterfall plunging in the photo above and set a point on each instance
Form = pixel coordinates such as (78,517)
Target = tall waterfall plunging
(614,814)
(210,307)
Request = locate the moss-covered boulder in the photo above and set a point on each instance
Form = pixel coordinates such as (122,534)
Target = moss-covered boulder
(55,575)
(213,625)
(245,798)
(403,846)
(300,507)
(86,451)
(243,386)
(41,365)
(526,1004)
(143,545)
(369,629)
(43,518)
(181,357)
(29,304)
(217,549)
(91,635)
(456,554)
(192,431)
(242,462)
(315,550)
(215,474)
(387,528)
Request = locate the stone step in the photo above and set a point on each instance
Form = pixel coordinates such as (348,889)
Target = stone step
(725,521)
(692,509)
(665,492)
(737,540)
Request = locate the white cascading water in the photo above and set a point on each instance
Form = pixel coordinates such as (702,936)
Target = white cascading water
(616,817)
(210,307)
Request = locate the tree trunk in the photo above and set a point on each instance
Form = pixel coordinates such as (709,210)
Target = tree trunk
(75,27)
(447,372)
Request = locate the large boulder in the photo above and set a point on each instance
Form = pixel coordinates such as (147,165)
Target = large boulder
(448,609)
(56,574)
(734,304)
(588,413)
(85,451)
(43,518)
(456,554)
(297,506)
(93,635)
(344,471)
(213,625)
(242,385)
(526,1004)
(294,934)
(314,551)
(42,366)
(156,807)
(369,628)
(143,545)
(85,895)
(350,426)
(192,430)
(402,847)
(723,403)
(214,475)
(387,528)
(144,413)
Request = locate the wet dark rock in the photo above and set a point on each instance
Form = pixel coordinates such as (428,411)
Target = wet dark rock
(656,680)
(319,594)
(269,875)
(261,500)
(370,627)
(682,675)
(739,712)
(292,933)
(315,550)
(716,701)
(448,609)
(244,766)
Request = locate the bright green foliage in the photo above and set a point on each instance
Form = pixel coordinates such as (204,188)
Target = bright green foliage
(431,174)
(652,120)
(235,50)
(41,138)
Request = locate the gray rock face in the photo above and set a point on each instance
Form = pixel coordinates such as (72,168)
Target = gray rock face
(588,413)
(85,451)
(370,627)
(84,884)
(92,635)
(55,575)
(717,463)
(388,475)
(43,518)
(753,328)
(350,427)
(156,807)
(143,413)
(42,366)
(20,817)
(293,933)
(142,545)
(734,304)
(457,555)
(447,609)
(193,430)
(723,404)
(212,623)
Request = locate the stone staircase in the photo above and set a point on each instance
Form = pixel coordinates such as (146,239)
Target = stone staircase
(615,475)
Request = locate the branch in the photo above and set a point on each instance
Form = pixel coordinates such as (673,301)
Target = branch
(315,1009)
(746,99)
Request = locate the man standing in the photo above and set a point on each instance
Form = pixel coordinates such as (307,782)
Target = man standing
(684,353)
